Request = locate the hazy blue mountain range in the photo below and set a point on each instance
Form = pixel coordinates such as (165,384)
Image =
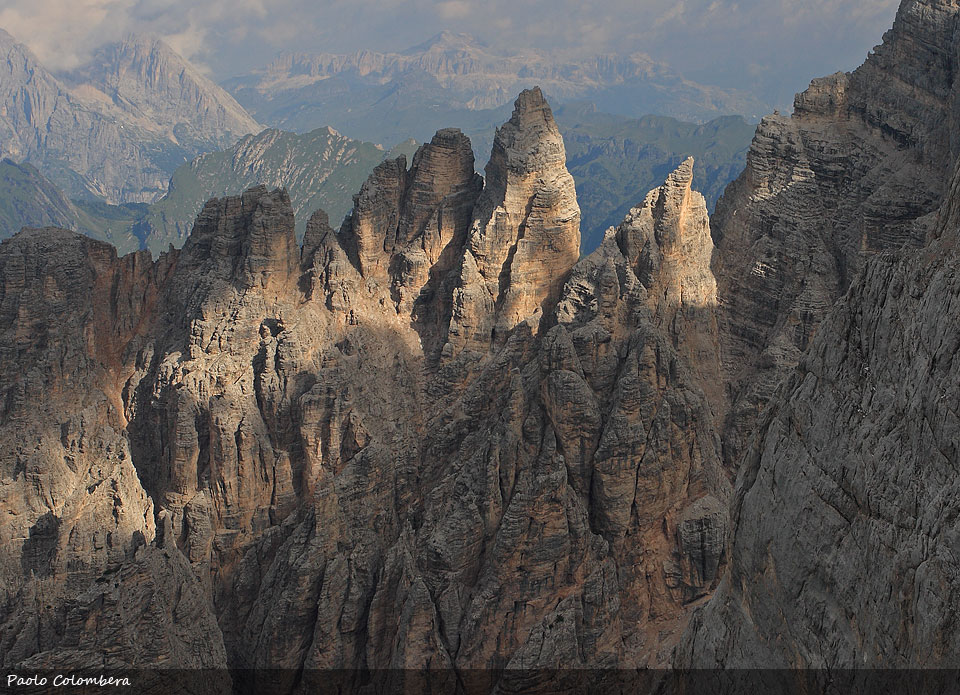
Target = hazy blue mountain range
(616,160)
(385,97)
(28,199)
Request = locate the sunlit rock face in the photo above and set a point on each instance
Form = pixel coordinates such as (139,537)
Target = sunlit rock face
(667,242)
(525,234)
(431,439)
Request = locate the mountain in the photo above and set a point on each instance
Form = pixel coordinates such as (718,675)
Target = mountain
(385,97)
(437,450)
(615,160)
(142,81)
(435,438)
(318,169)
(145,114)
(116,129)
(860,167)
(27,199)
(845,515)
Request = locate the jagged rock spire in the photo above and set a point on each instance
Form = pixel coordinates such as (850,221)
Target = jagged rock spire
(667,242)
(667,239)
(525,235)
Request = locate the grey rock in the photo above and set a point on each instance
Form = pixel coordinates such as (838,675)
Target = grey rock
(345,494)
(859,168)
(111,130)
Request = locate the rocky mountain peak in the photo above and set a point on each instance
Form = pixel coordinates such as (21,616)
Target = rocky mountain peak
(446,41)
(386,409)
(525,235)
(683,175)
(529,142)
(471,264)
(666,241)
(404,236)
(249,239)
(670,228)
(142,74)
(112,128)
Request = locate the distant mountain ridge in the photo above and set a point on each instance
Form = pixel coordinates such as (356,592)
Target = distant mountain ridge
(29,199)
(143,77)
(115,129)
(320,169)
(616,160)
(460,73)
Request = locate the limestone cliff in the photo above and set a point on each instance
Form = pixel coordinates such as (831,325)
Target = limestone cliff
(846,507)
(435,439)
(278,438)
(78,528)
(525,234)
(843,552)
(857,169)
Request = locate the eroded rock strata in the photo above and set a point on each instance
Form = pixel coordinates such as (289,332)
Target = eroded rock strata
(860,167)
(431,439)
(435,439)
(844,550)
(846,510)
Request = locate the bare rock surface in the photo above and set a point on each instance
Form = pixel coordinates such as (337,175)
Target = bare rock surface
(844,519)
(82,581)
(525,236)
(282,440)
(844,553)
(117,128)
(435,439)
(858,168)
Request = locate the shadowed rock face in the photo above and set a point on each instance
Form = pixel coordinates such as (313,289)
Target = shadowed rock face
(79,530)
(846,510)
(280,438)
(859,168)
(844,551)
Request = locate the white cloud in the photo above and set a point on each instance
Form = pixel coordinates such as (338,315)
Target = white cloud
(706,38)
(454,9)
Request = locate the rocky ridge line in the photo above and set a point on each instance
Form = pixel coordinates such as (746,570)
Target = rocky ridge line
(345,493)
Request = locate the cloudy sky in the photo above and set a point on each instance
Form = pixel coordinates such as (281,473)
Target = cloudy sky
(770,46)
